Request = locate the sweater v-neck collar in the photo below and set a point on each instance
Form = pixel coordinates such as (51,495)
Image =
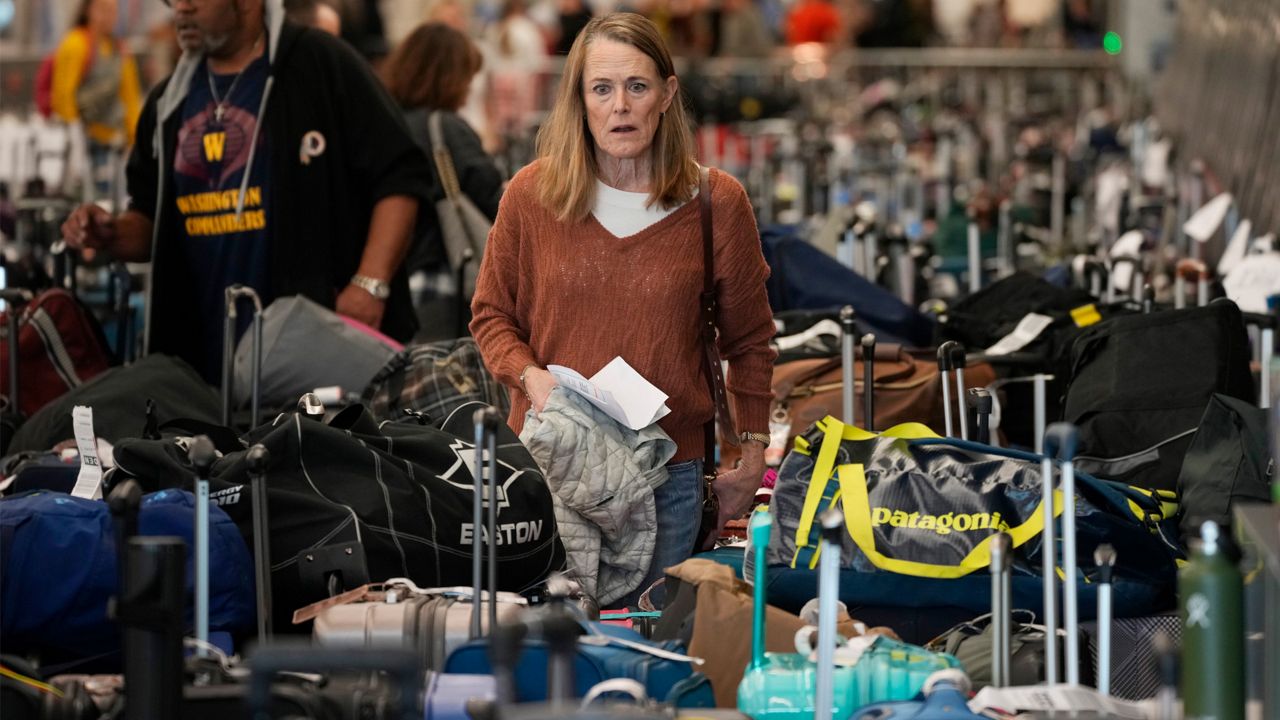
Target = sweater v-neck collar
(658,226)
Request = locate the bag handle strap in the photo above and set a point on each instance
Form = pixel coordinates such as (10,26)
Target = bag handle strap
(854,498)
(443,160)
(711,353)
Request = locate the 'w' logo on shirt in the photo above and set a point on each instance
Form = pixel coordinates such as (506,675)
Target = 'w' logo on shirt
(214,144)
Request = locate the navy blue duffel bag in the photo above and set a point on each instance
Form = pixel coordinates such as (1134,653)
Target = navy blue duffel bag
(58,563)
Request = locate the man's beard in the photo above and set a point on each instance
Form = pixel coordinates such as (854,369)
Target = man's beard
(207,42)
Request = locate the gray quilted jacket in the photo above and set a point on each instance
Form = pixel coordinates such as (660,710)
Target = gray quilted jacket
(602,477)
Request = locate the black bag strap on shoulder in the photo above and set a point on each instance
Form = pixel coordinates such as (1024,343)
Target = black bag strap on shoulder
(714,369)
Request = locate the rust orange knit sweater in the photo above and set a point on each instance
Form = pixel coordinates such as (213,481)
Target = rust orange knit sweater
(573,294)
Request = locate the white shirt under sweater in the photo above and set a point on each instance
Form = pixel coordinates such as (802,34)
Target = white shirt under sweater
(624,213)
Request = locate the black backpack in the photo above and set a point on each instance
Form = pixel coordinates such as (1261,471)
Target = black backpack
(1140,384)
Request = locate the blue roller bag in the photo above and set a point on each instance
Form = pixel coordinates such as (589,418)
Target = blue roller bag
(919,513)
(603,653)
(804,277)
(58,560)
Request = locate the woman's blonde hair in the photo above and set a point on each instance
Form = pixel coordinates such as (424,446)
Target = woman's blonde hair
(567,177)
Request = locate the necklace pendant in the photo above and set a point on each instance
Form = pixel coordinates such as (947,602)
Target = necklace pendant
(218,110)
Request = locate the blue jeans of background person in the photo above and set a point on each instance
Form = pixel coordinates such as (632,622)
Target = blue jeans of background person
(678,503)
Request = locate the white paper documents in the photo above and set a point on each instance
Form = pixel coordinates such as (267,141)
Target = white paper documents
(1062,698)
(621,392)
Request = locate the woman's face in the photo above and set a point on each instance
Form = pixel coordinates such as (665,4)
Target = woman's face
(102,16)
(624,98)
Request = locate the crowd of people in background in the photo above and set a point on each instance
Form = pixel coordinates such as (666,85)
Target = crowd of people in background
(520,40)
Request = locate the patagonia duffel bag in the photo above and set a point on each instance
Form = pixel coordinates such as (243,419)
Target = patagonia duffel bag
(920,511)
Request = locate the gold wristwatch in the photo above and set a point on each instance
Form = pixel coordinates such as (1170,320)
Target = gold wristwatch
(762,438)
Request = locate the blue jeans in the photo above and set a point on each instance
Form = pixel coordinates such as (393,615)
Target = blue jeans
(678,502)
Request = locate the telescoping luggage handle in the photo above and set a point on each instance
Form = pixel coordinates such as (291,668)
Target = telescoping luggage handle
(848,354)
(257,459)
(202,455)
(1001,602)
(848,330)
(951,356)
(761,527)
(232,297)
(149,607)
(1105,558)
(869,381)
(1061,441)
(980,401)
(486,447)
(14,300)
(832,522)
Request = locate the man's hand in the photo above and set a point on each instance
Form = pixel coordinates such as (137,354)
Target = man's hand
(737,488)
(89,227)
(538,384)
(357,304)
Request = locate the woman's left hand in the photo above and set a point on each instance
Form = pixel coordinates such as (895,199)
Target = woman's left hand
(737,488)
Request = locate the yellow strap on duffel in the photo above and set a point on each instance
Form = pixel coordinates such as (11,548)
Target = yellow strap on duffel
(857,519)
(853,497)
(833,433)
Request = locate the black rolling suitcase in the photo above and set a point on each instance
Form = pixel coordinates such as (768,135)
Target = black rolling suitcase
(1139,385)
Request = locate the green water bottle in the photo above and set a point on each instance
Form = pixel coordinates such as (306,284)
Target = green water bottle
(1211,599)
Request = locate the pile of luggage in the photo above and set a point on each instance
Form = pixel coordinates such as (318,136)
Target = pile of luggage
(348,529)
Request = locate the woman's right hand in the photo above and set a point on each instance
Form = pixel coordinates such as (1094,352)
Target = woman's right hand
(538,384)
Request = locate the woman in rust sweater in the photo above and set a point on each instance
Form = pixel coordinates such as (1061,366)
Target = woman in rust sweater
(597,252)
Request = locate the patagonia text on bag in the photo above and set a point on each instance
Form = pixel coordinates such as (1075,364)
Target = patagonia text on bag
(920,511)
(400,493)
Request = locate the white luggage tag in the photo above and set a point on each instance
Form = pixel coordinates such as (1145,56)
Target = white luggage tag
(1128,246)
(1028,329)
(1236,249)
(802,339)
(1253,280)
(459,592)
(1205,222)
(599,639)
(89,481)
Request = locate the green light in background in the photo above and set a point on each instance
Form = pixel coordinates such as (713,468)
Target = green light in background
(1112,43)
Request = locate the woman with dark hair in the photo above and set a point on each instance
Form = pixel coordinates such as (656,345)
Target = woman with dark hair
(95,81)
(431,72)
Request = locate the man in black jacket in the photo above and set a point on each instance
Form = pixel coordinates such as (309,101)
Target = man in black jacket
(271,157)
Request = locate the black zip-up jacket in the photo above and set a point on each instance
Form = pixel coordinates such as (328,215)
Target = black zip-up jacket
(318,220)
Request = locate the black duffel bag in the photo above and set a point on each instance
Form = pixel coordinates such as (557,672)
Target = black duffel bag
(1140,384)
(398,495)
(120,398)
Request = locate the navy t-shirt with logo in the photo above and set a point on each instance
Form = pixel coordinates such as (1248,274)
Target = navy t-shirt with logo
(219,246)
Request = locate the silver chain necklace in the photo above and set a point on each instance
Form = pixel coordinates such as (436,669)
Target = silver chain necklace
(220,104)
